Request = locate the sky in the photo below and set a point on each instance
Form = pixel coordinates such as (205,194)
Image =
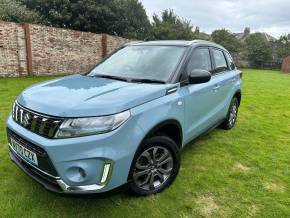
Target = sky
(271,16)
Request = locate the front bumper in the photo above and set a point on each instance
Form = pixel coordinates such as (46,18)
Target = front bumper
(56,184)
(104,160)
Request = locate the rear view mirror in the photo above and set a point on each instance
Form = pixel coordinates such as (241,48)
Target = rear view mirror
(199,76)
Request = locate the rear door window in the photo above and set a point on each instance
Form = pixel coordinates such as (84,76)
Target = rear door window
(220,61)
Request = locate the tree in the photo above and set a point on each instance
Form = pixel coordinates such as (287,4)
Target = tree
(14,11)
(283,46)
(131,19)
(227,40)
(171,26)
(119,17)
(259,50)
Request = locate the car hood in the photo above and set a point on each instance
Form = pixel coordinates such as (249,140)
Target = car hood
(82,96)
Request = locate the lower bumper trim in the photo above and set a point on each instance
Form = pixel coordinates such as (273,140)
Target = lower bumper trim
(49,184)
(106,174)
(56,184)
(78,189)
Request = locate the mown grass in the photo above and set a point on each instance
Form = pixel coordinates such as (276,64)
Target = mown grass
(239,173)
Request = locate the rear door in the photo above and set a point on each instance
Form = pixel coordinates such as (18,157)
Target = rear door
(200,99)
(224,76)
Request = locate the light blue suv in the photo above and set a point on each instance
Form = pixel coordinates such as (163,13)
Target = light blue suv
(126,120)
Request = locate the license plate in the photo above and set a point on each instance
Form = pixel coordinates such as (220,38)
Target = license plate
(26,154)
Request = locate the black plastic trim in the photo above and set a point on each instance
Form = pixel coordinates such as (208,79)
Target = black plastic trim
(162,124)
(45,163)
(48,183)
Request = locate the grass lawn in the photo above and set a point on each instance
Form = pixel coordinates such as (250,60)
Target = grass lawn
(240,173)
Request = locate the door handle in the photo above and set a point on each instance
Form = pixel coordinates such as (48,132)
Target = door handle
(216,87)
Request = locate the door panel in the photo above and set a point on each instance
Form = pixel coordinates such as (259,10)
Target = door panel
(200,99)
(207,104)
(200,105)
(224,81)
(226,76)
(228,80)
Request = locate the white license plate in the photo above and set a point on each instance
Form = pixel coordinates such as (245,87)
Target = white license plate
(24,152)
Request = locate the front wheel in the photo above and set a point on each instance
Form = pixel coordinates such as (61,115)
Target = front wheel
(155,166)
(231,118)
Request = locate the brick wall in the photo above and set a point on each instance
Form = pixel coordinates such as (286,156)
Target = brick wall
(54,51)
(12,50)
(114,42)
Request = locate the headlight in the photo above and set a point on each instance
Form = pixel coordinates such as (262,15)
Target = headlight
(91,125)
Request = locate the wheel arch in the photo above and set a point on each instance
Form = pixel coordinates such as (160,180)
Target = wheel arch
(156,130)
(238,95)
(168,128)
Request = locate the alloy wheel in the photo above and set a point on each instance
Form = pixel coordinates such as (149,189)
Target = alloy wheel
(153,168)
(233,114)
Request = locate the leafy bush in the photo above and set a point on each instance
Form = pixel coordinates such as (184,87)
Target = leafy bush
(259,50)
(14,11)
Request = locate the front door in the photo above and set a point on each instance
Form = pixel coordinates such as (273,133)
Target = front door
(200,99)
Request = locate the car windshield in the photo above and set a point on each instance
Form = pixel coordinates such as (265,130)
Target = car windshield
(147,63)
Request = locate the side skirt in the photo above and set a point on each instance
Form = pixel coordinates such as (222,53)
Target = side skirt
(204,133)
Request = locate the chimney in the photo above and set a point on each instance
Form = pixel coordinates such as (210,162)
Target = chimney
(197,30)
(247,31)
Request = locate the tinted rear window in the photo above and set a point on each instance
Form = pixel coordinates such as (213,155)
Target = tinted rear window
(220,61)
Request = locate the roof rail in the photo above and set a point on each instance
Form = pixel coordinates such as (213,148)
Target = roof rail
(191,42)
(133,42)
(204,41)
(196,41)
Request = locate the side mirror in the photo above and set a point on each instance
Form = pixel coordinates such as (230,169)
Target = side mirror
(199,76)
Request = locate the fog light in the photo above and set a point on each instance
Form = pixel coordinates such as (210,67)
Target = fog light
(76,174)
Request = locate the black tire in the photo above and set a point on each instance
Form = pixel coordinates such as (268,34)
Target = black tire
(232,115)
(157,148)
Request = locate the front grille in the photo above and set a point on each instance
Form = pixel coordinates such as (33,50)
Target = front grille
(40,124)
(44,162)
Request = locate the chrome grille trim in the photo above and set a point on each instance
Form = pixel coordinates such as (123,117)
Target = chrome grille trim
(21,116)
(33,123)
(40,124)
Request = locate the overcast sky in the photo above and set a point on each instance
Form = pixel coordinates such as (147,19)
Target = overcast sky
(271,16)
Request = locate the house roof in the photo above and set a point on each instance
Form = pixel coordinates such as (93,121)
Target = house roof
(244,35)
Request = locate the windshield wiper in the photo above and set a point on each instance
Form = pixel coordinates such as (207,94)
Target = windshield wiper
(148,81)
(129,80)
(111,77)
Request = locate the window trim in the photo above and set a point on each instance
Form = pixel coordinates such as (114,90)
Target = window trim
(215,71)
(177,75)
